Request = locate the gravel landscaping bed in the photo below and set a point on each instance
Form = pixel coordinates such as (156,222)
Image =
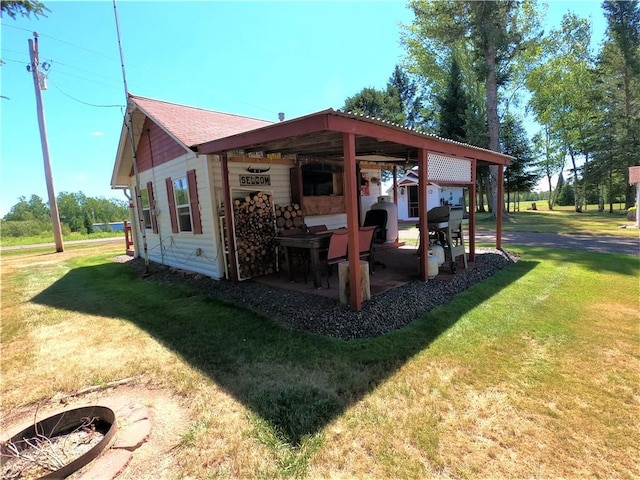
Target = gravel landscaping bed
(381,314)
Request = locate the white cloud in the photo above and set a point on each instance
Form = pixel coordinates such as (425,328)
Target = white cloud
(97,134)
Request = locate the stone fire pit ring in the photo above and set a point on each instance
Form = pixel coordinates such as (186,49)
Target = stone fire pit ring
(64,423)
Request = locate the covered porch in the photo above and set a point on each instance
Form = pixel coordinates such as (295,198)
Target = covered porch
(353,140)
(401,266)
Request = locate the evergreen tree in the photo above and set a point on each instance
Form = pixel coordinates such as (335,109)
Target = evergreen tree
(620,64)
(410,100)
(497,32)
(454,107)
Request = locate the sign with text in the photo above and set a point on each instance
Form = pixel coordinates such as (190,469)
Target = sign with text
(255,180)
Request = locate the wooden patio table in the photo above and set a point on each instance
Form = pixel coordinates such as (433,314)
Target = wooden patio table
(314,242)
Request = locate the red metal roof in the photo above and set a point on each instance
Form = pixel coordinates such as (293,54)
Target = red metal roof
(192,126)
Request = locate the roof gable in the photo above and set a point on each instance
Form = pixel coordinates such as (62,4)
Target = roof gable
(187,126)
(192,126)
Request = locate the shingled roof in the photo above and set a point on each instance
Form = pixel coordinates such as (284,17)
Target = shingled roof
(192,126)
(189,126)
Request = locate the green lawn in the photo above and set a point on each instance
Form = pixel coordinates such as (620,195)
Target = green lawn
(6,241)
(531,373)
(562,220)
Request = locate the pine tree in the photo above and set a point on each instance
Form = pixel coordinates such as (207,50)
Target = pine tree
(454,106)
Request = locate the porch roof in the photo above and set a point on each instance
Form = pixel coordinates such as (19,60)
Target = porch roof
(320,135)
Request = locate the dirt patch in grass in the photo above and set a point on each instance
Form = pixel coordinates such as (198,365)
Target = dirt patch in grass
(169,415)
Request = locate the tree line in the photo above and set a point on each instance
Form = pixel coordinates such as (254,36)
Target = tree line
(473,71)
(78,213)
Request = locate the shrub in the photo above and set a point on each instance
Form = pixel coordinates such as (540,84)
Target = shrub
(25,228)
(631,213)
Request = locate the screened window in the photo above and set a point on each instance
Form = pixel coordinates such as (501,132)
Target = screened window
(183,210)
(146,208)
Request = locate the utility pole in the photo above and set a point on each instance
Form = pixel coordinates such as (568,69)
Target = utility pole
(38,83)
(129,122)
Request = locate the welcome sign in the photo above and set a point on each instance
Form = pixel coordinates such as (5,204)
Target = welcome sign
(255,180)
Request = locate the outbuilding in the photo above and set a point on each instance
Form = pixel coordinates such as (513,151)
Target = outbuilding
(193,173)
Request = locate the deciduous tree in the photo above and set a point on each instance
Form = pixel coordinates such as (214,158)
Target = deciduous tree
(496,32)
(25,8)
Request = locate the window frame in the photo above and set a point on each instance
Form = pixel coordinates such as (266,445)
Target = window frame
(182,201)
(146,208)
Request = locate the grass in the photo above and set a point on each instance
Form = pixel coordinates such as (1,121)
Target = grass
(532,373)
(564,220)
(561,220)
(6,241)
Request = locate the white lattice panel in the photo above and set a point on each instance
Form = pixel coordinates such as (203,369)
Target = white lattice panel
(448,169)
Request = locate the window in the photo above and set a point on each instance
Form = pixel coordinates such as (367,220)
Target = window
(321,180)
(146,208)
(183,209)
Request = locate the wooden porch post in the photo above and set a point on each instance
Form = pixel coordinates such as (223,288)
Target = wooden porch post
(472,211)
(395,184)
(351,187)
(499,207)
(423,176)
(228,220)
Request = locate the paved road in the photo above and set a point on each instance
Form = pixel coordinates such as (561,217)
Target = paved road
(587,243)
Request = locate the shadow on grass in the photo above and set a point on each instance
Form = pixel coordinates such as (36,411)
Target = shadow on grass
(295,381)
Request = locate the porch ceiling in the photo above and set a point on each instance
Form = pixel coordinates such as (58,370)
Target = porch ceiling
(320,136)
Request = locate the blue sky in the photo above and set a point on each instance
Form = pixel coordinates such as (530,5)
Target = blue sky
(250,58)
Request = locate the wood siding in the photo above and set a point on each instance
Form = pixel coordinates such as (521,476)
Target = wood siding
(161,149)
(204,253)
(185,250)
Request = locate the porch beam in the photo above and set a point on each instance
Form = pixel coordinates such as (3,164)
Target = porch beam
(385,133)
(351,200)
(499,207)
(472,211)
(395,185)
(423,175)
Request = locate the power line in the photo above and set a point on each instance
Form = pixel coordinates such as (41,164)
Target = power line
(85,79)
(145,69)
(80,101)
(23,62)
(61,41)
(82,70)
(12,51)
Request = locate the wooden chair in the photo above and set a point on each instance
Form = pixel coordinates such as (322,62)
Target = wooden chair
(337,251)
(317,228)
(366,237)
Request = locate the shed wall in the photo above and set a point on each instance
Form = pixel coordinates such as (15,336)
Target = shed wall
(155,147)
(185,250)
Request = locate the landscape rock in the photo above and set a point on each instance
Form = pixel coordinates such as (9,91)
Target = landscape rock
(388,311)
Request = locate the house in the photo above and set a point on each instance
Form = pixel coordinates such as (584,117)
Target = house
(437,194)
(199,179)
(181,204)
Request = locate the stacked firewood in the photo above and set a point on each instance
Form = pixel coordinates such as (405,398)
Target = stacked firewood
(254,226)
(289,216)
